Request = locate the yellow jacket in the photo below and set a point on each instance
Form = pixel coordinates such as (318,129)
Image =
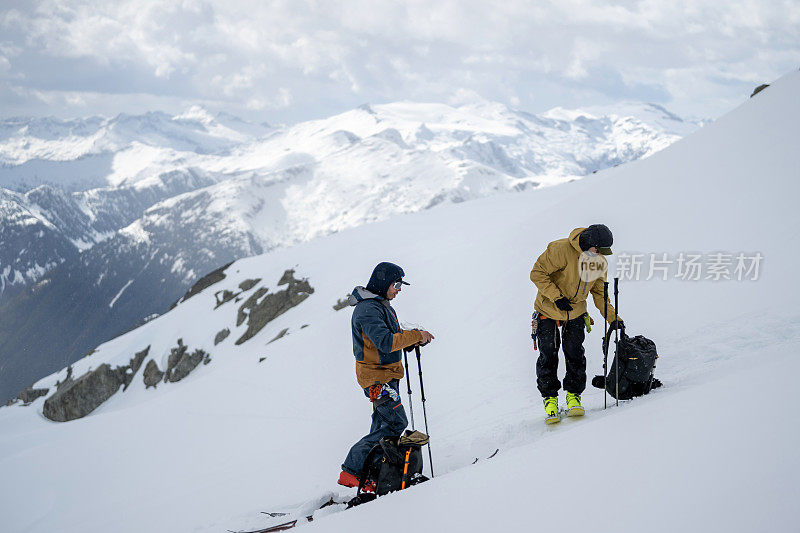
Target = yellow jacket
(556,274)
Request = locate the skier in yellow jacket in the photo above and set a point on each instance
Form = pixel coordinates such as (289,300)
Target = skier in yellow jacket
(565,274)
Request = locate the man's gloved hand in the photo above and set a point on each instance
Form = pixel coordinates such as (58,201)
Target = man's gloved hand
(563,304)
(426,337)
(616,324)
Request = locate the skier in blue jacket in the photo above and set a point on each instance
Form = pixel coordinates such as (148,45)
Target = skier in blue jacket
(378,343)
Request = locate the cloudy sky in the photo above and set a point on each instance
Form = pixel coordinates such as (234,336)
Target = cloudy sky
(291,60)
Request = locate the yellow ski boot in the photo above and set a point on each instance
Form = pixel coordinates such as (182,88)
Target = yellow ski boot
(551,410)
(574,407)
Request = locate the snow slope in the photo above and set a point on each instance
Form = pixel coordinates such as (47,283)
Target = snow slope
(239,436)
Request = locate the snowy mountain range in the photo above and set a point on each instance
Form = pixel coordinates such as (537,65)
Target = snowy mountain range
(242,400)
(108,221)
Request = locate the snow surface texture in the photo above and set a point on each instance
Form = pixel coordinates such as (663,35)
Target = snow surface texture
(711,450)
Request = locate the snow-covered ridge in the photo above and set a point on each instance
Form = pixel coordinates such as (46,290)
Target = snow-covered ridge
(655,115)
(24,139)
(91,152)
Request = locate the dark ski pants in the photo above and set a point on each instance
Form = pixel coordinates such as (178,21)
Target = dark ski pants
(388,420)
(547,365)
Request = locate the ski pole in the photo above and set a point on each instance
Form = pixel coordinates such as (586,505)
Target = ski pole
(424,413)
(616,337)
(605,344)
(408,383)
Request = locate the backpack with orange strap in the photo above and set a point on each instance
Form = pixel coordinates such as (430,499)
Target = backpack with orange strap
(392,464)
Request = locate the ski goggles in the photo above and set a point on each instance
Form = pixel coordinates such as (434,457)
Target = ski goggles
(399,283)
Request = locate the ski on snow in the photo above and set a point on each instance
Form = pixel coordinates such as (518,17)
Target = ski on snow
(306,512)
(575,412)
(305,516)
(493,454)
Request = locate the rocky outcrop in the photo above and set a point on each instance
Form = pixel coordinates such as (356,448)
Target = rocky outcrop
(287,278)
(84,395)
(251,302)
(259,314)
(134,366)
(175,355)
(280,335)
(225,296)
(67,379)
(181,362)
(188,362)
(248,284)
(30,394)
(759,89)
(77,398)
(205,282)
(221,336)
(152,375)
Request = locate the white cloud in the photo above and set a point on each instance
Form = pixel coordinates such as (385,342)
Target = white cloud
(306,57)
(463,96)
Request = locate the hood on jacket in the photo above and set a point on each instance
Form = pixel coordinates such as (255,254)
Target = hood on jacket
(360,294)
(383,276)
(574,238)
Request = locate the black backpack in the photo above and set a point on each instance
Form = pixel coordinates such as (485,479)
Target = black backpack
(637,362)
(392,464)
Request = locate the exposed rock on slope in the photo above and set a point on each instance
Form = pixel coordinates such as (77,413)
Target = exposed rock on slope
(134,366)
(30,394)
(221,336)
(259,314)
(203,283)
(77,398)
(181,362)
(152,375)
(83,395)
(759,89)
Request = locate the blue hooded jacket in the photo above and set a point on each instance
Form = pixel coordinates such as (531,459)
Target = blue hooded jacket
(378,339)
